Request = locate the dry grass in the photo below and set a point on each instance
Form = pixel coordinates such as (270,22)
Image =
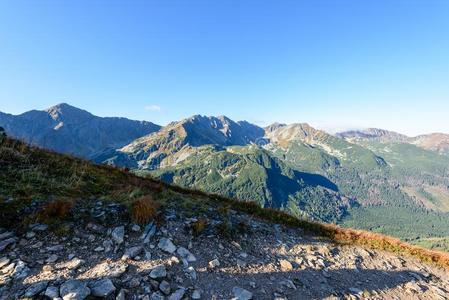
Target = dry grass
(55,211)
(225,230)
(144,209)
(199,226)
(386,243)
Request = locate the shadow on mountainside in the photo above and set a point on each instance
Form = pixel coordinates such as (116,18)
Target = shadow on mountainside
(316,180)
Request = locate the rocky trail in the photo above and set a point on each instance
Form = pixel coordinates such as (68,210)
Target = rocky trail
(175,258)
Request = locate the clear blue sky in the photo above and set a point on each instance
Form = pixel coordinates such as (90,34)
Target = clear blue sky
(330,63)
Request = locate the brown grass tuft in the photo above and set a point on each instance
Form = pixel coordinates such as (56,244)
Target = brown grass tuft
(225,230)
(199,226)
(144,209)
(55,210)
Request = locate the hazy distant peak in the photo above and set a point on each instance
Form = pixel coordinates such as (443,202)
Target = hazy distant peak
(435,141)
(376,134)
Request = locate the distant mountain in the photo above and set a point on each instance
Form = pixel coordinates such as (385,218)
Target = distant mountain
(374,134)
(284,134)
(68,129)
(438,142)
(176,141)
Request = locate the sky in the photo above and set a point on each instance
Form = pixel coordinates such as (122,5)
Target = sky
(335,64)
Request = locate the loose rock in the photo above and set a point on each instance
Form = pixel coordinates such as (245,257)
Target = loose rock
(52,292)
(164,287)
(102,288)
(118,234)
(35,289)
(241,294)
(177,295)
(167,245)
(214,263)
(132,252)
(74,290)
(186,254)
(158,272)
(285,265)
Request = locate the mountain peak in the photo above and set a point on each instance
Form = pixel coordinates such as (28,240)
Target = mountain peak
(69,129)
(67,112)
(274,126)
(62,105)
(283,134)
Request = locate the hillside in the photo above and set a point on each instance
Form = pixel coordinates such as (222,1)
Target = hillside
(254,173)
(70,229)
(438,142)
(363,179)
(71,130)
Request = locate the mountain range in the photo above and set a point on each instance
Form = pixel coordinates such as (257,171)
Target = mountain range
(68,129)
(438,142)
(370,179)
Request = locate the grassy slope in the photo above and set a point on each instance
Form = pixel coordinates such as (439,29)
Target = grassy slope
(424,177)
(33,174)
(253,173)
(409,160)
(359,173)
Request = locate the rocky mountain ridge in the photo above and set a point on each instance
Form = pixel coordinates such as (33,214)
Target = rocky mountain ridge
(438,142)
(71,130)
(163,148)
